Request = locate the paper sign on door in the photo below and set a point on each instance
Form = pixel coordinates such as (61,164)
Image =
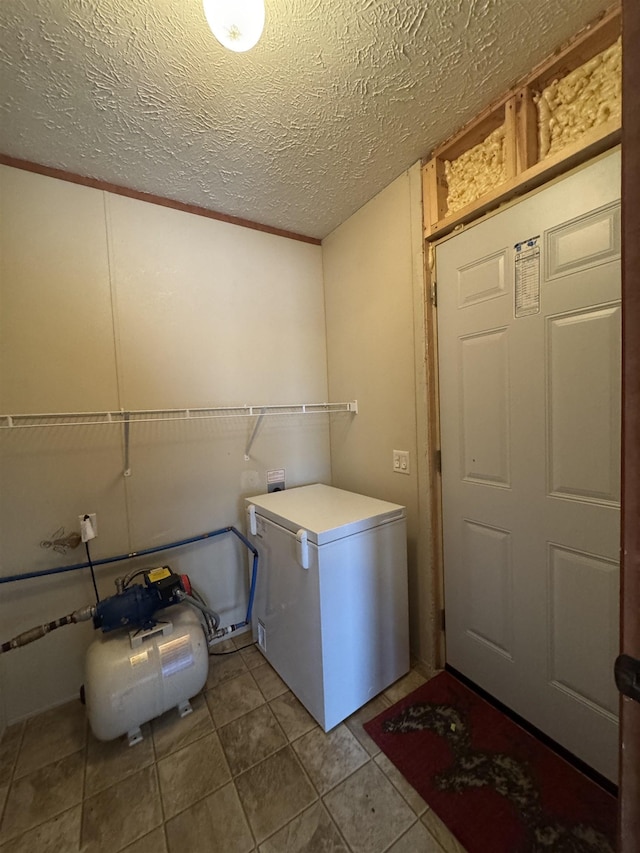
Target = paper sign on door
(527,278)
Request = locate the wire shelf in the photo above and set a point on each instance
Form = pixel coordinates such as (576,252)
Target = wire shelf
(62,419)
(126,418)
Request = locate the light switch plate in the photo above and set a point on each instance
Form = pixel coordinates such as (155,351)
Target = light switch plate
(401,462)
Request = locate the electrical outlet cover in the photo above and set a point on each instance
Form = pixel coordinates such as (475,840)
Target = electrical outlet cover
(88,527)
(275,480)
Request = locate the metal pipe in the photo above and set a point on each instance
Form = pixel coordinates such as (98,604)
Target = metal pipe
(39,631)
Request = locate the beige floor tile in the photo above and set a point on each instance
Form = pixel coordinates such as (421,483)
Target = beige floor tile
(252,657)
(224,667)
(233,699)
(52,735)
(251,739)
(269,681)
(274,792)
(154,842)
(405,685)
(214,825)
(243,640)
(355,723)
(191,773)
(292,716)
(226,645)
(171,732)
(9,747)
(417,840)
(398,781)
(41,795)
(111,761)
(437,828)
(61,833)
(369,811)
(329,758)
(368,806)
(311,832)
(121,814)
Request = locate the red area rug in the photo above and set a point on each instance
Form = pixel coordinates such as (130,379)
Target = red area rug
(496,787)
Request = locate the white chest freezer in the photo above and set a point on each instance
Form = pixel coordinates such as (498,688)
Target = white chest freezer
(331,604)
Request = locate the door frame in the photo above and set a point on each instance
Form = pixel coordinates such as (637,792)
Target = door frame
(629,778)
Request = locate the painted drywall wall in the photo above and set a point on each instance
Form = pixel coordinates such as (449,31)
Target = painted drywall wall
(110,303)
(3,711)
(374,297)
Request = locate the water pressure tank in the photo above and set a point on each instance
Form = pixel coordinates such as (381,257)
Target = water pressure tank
(132,677)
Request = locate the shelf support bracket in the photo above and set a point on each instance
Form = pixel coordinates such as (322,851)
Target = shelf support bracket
(127,427)
(247,452)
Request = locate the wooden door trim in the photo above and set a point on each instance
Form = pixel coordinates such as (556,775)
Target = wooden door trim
(629,826)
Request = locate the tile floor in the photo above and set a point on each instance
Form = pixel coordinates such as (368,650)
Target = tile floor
(248,770)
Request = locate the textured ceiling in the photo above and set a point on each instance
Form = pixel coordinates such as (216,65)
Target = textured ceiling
(336,100)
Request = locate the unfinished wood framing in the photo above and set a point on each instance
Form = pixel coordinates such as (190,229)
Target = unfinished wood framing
(504,139)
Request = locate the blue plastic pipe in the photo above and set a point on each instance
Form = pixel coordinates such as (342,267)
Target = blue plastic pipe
(210,535)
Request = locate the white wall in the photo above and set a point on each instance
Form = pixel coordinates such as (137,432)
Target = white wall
(3,711)
(374,297)
(109,303)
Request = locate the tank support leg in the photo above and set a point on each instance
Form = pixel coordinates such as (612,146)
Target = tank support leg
(134,736)
(185,708)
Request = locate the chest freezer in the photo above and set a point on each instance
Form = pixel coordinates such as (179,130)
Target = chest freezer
(331,604)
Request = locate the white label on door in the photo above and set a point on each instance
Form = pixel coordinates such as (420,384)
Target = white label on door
(527,278)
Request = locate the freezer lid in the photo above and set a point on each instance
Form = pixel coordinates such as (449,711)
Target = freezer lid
(325,512)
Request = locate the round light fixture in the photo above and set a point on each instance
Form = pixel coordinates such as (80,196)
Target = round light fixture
(237,24)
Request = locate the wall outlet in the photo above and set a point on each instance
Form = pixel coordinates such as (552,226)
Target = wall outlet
(88,526)
(275,480)
(401,461)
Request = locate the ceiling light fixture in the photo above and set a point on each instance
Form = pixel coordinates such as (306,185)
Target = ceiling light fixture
(237,24)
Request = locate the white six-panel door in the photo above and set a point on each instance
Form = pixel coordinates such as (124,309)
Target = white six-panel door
(529,359)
